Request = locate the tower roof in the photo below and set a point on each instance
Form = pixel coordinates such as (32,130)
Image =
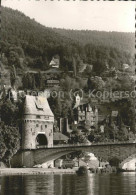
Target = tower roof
(37,105)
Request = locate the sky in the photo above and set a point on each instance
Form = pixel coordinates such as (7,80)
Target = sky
(91,15)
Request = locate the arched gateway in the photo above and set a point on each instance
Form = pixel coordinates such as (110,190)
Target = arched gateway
(41,140)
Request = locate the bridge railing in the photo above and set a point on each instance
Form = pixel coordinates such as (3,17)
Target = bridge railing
(86,144)
(66,145)
(72,145)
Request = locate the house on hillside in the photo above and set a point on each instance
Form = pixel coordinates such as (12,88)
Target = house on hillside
(55,62)
(51,82)
(85,114)
(52,77)
(125,66)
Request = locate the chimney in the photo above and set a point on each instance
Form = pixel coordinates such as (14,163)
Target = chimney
(63,125)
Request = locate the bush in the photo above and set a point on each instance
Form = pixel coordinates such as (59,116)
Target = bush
(82,170)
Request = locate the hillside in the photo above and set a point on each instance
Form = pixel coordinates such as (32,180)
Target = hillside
(27,48)
(120,40)
(27,44)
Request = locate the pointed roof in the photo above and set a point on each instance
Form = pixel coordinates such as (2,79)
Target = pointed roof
(37,105)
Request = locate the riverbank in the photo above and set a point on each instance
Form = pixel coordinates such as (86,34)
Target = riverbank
(49,171)
(35,171)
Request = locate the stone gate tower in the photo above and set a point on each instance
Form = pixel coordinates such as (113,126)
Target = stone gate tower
(38,120)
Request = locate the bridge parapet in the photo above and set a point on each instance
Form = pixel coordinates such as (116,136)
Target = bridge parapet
(103,151)
(86,144)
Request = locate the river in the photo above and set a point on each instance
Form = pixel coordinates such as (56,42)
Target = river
(64,184)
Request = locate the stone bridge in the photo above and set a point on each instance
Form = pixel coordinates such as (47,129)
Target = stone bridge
(123,152)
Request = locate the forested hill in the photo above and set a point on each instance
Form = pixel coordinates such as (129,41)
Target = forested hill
(120,40)
(28,44)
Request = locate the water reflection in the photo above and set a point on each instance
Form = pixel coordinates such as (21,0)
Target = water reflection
(93,184)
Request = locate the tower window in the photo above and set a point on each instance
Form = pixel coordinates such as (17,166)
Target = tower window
(37,125)
(45,126)
(38,116)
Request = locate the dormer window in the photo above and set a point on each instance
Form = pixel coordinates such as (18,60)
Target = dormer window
(38,105)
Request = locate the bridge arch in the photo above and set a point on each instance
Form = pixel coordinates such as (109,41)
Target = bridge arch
(123,152)
(115,161)
(130,158)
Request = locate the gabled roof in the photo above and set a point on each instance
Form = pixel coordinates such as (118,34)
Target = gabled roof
(57,136)
(82,68)
(54,61)
(37,105)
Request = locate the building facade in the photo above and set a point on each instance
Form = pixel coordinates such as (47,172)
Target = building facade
(38,120)
(85,114)
(55,63)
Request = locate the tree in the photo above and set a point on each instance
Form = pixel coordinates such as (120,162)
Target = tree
(2,146)
(88,70)
(28,81)
(112,84)
(8,113)
(95,83)
(99,67)
(13,76)
(68,83)
(14,59)
(9,142)
(74,66)
(39,81)
(78,136)
(126,82)
(38,63)
(45,63)
(123,134)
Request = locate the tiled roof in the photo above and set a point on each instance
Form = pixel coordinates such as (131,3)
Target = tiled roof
(57,136)
(53,70)
(37,105)
(83,67)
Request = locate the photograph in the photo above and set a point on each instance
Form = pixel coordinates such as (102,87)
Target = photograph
(67,97)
